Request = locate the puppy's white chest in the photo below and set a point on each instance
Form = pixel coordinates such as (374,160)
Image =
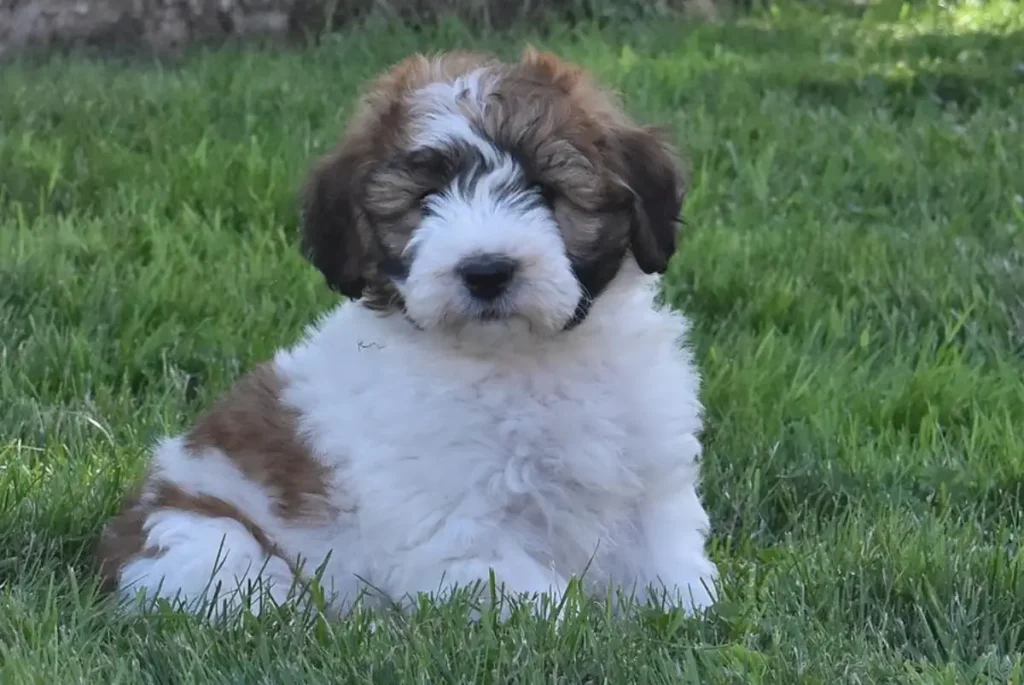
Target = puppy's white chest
(556,425)
(540,417)
(555,446)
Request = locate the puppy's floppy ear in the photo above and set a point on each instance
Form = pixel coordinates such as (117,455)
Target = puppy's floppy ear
(646,162)
(332,235)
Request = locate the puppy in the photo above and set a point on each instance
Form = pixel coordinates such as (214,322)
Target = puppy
(498,393)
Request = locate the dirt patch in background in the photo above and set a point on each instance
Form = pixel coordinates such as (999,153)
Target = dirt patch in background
(166,26)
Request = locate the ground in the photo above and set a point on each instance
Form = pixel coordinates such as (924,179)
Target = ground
(852,260)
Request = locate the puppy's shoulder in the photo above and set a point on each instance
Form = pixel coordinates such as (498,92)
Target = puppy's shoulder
(345,340)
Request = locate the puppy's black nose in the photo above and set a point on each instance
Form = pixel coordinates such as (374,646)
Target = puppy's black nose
(487,276)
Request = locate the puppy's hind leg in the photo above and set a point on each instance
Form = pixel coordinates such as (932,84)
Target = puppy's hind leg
(212,565)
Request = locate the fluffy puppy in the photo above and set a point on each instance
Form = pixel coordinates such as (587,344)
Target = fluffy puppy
(498,392)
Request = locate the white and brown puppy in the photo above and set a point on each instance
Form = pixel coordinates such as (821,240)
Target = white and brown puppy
(500,392)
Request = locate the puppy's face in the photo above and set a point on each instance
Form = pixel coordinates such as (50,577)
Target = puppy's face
(471,192)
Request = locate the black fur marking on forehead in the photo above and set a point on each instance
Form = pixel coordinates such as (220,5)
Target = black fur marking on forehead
(460,166)
(455,163)
(471,166)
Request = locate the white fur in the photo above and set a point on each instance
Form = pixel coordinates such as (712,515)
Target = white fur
(539,459)
(440,109)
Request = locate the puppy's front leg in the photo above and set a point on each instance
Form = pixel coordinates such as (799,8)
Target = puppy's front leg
(675,527)
(516,573)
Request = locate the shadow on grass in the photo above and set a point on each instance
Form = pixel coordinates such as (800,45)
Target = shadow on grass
(903,94)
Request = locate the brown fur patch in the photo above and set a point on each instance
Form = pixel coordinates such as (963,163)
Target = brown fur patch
(639,169)
(252,427)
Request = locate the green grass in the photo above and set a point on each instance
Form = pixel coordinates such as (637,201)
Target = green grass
(853,264)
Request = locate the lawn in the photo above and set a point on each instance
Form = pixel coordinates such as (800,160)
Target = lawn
(852,261)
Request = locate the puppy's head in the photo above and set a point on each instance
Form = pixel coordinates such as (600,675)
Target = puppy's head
(471,192)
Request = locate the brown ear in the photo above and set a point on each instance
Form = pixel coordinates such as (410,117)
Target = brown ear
(644,159)
(332,239)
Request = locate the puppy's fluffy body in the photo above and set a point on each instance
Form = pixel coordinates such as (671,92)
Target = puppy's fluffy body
(500,394)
